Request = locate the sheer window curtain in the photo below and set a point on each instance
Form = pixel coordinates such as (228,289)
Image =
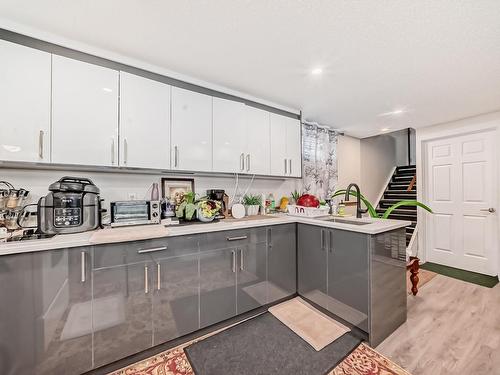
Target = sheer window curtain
(319,149)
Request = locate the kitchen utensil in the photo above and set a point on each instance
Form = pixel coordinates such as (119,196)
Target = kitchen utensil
(238,211)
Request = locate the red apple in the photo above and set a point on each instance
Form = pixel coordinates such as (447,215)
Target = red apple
(308,200)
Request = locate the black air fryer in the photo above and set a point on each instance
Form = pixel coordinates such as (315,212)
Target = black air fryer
(72,206)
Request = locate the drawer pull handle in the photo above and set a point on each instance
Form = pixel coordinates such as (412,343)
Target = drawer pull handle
(83,263)
(158,276)
(236,238)
(152,250)
(233,254)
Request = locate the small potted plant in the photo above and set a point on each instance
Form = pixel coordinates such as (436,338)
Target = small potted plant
(207,210)
(252,204)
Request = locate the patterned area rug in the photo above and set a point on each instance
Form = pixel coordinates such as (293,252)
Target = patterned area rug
(362,361)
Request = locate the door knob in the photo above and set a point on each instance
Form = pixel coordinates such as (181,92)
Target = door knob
(490,210)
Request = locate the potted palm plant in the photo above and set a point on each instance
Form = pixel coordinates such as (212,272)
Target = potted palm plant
(252,204)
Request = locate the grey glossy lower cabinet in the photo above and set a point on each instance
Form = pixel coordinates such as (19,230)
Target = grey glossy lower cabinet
(358,277)
(68,311)
(281,262)
(45,319)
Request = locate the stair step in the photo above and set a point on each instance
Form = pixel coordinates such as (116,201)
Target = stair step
(401,191)
(406,172)
(386,203)
(401,195)
(402,178)
(406,167)
(401,186)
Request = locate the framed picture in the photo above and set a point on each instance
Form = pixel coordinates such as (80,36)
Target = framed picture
(175,188)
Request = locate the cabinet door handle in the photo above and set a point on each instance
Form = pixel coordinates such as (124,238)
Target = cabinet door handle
(236,238)
(158,276)
(330,245)
(152,250)
(40,144)
(290,166)
(270,237)
(248,162)
(176,156)
(242,162)
(322,239)
(146,281)
(233,254)
(125,151)
(241,260)
(112,151)
(285,166)
(83,277)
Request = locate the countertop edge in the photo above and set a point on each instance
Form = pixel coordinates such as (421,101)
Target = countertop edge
(376,226)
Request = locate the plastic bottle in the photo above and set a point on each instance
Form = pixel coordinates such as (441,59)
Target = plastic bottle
(272,202)
(341,208)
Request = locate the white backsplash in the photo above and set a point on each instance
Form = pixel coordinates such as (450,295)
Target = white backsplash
(116,186)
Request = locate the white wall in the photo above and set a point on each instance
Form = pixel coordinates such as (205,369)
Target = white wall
(378,156)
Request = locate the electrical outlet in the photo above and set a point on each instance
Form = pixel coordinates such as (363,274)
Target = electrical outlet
(132,196)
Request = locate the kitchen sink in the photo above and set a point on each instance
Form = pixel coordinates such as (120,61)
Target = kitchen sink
(343,221)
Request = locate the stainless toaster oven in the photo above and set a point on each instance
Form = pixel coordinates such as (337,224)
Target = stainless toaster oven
(136,212)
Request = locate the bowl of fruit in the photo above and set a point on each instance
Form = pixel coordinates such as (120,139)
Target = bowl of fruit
(207,210)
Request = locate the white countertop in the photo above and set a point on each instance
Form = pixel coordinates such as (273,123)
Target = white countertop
(109,235)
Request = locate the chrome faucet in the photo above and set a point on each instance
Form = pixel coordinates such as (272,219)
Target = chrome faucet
(359,210)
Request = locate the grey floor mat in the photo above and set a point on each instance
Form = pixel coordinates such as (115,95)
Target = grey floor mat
(263,345)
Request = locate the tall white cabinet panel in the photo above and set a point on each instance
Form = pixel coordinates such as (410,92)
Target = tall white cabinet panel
(229,135)
(294,147)
(25,103)
(286,147)
(84,113)
(191,131)
(279,160)
(258,150)
(144,122)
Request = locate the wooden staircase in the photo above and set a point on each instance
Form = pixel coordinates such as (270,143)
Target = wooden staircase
(401,187)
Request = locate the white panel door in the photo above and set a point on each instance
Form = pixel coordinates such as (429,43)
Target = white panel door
(294,147)
(144,122)
(191,131)
(258,148)
(461,179)
(25,103)
(229,143)
(84,113)
(279,159)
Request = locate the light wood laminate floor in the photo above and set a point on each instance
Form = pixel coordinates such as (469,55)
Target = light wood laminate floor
(453,327)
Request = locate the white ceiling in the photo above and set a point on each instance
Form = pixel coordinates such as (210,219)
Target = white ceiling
(439,60)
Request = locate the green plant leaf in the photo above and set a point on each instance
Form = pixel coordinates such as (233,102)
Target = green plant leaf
(366,202)
(190,211)
(179,211)
(405,203)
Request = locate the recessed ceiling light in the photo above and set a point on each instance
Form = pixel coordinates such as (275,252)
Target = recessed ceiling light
(396,112)
(385,129)
(316,71)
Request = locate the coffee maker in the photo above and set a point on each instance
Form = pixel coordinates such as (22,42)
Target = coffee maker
(220,196)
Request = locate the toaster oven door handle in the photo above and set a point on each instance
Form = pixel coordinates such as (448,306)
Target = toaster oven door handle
(152,250)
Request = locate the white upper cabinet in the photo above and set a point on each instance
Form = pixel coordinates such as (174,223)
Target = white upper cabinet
(84,113)
(191,131)
(286,147)
(294,147)
(229,138)
(25,103)
(144,122)
(258,144)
